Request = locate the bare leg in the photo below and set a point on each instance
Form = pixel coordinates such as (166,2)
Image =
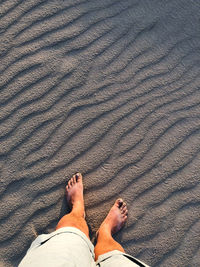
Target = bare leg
(74,194)
(112,224)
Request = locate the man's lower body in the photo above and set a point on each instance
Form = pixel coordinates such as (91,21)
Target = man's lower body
(70,244)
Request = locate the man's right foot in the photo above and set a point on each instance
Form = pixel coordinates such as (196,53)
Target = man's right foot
(115,219)
(74,194)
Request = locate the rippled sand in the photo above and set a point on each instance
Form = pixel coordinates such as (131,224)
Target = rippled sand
(111,89)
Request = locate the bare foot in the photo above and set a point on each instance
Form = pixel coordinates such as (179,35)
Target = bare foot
(115,219)
(74,194)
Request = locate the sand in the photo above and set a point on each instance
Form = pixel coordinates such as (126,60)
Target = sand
(110,89)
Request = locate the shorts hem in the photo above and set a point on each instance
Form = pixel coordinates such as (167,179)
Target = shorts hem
(45,237)
(110,254)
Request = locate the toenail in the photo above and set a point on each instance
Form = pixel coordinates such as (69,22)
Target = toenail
(120,203)
(77,175)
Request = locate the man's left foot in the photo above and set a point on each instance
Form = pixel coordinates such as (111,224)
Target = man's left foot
(74,194)
(115,219)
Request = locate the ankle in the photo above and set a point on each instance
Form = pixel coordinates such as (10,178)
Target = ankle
(78,213)
(104,235)
(105,229)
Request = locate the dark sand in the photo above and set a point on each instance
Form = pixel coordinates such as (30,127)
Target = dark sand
(111,89)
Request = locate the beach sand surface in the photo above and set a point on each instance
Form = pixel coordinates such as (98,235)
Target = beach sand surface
(110,89)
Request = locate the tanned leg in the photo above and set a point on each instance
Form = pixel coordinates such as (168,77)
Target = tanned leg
(112,224)
(74,195)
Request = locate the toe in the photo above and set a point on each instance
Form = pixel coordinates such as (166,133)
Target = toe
(78,176)
(125,213)
(124,219)
(74,179)
(123,206)
(119,202)
(71,181)
(124,210)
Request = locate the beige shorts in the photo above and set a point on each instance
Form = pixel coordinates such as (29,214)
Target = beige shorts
(69,247)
